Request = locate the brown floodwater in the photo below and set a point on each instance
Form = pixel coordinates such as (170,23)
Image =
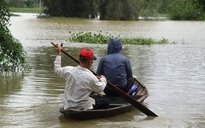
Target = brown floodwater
(173,73)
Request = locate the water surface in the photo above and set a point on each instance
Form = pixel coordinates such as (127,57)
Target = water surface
(173,73)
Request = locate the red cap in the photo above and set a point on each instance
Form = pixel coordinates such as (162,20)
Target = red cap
(87,55)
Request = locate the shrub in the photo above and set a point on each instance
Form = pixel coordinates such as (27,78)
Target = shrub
(12,55)
(184,10)
(89,37)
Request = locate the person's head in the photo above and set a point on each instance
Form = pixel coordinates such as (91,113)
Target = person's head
(86,58)
(114,46)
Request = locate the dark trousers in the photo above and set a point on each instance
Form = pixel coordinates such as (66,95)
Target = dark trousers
(101,102)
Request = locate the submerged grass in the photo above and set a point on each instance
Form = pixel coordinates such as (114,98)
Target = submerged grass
(93,38)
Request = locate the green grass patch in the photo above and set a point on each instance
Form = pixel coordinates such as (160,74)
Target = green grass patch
(60,17)
(99,38)
(12,14)
(26,10)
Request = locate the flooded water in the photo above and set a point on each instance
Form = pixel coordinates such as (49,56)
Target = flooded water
(173,73)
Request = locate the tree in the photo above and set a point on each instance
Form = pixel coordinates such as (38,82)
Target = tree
(22,3)
(15,3)
(121,9)
(12,55)
(199,4)
(71,8)
(108,9)
(175,9)
(184,10)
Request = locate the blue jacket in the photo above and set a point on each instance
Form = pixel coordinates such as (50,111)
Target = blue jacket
(114,66)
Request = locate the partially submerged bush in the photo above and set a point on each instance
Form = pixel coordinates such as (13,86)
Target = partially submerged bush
(89,37)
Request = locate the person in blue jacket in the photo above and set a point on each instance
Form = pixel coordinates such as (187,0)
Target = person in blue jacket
(116,68)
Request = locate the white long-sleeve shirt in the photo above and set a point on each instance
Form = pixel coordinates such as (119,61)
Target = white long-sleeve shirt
(80,82)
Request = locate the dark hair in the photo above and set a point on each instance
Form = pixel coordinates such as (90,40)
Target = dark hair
(83,61)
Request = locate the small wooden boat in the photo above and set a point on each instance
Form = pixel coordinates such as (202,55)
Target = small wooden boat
(117,106)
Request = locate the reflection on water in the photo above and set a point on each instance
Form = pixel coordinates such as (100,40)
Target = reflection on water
(173,74)
(9,82)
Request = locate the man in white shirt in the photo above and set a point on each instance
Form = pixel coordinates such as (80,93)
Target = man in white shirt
(81,82)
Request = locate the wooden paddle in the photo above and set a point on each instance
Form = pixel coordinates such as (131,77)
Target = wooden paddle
(127,97)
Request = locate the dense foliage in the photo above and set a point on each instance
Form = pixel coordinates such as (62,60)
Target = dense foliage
(22,3)
(176,9)
(71,8)
(100,38)
(127,9)
(12,55)
(199,3)
(118,9)
(123,9)
(108,9)
(184,10)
